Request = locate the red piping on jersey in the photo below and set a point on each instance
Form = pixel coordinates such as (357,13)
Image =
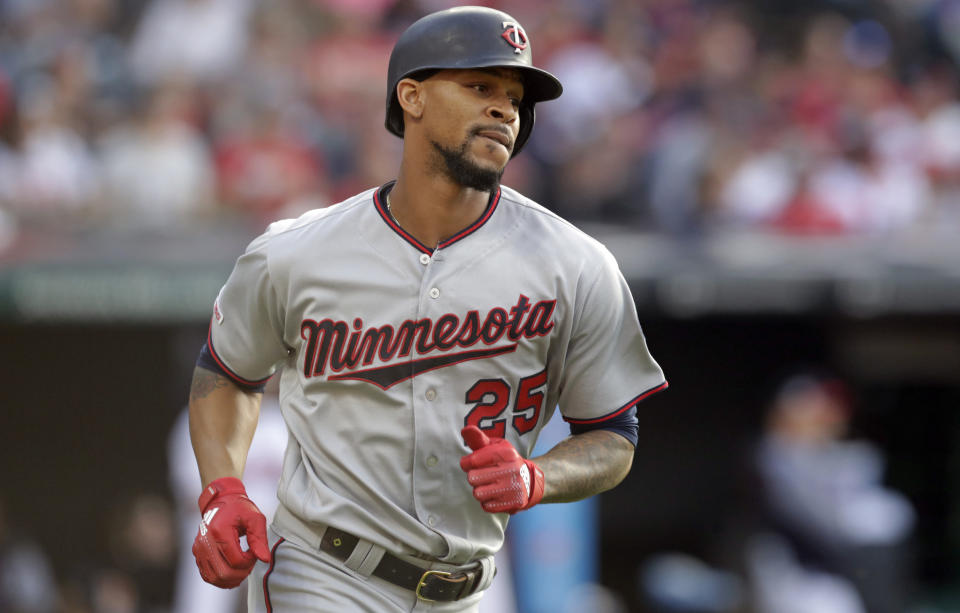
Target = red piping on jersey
(483,219)
(625,407)
(388,218)
(226,370)
(266,575)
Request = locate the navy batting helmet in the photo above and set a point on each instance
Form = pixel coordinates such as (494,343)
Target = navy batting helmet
(468,37)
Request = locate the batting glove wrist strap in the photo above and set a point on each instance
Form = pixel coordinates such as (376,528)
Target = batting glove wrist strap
(536,486)
(503,480)
(229,514)
(218,487)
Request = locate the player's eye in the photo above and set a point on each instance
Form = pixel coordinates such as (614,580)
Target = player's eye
(481,88)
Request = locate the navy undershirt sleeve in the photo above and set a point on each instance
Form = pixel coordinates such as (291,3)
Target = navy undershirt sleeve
(625,424)
(207,361)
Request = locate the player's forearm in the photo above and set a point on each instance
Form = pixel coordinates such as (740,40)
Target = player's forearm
(223,418)
(585,464)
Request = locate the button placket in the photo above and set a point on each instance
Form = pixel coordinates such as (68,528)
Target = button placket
(426,395)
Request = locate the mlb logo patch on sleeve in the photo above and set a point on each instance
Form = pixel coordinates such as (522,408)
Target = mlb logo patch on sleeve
(217,311)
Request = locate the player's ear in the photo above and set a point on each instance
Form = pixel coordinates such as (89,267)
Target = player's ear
(410,94)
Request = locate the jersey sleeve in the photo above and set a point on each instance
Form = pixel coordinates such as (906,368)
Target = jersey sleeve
(246,330)
(608,367)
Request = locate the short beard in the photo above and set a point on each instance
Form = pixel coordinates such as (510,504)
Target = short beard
(464,172)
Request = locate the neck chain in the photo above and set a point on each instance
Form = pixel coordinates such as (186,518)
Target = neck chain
(390,211)
(394,218)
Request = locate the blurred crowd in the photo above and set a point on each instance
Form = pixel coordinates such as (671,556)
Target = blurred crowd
(133,575)
(679,116)
(816,527)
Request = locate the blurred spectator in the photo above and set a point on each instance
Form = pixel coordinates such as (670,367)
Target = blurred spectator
(938,109)
(756,186)
(587,139)
(9,227)
(112,591)
(858,193)
(67,73)
(142,545)
(709,122)
(157,169)
(137,574)
(265,169)
(26,578)
(345,71)
(675,582)
(54,171)
(831,538)
(816,531)
(200,40)
(272,72)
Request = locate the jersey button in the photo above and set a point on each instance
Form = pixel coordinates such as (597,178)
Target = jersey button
(434,292)
(432,460)
(431,521)
(424,259)
(431,394)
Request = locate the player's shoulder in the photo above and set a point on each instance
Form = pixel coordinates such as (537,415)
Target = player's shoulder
(286,229)
(284,239)
(541,220)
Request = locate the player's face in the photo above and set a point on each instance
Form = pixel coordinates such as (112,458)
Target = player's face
(472,120)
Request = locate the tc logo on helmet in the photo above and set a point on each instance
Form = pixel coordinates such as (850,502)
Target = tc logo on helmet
(514,34)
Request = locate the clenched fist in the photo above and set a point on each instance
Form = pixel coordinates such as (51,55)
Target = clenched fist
(228,514)
(503,481)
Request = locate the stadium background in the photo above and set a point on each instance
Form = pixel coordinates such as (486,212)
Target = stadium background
(779,180)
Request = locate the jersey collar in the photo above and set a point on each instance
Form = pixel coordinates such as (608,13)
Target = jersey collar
(379,201)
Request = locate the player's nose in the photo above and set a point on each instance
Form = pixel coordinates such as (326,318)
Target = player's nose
(502,108)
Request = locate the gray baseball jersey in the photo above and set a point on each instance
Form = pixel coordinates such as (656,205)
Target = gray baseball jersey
(388,348)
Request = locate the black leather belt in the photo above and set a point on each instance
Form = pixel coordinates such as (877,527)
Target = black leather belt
(428,585)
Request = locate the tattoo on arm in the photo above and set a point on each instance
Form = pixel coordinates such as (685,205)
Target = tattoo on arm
(205,382)
(585,464)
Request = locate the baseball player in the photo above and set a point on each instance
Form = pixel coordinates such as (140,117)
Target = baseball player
(424,331)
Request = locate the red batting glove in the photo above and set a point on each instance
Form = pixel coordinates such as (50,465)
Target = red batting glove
(228,514)
(503,481)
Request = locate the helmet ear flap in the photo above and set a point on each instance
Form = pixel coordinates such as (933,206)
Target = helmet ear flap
(527,118)
(394,123)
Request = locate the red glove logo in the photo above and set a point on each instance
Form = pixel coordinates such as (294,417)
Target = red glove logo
(503,481)
(227,515)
